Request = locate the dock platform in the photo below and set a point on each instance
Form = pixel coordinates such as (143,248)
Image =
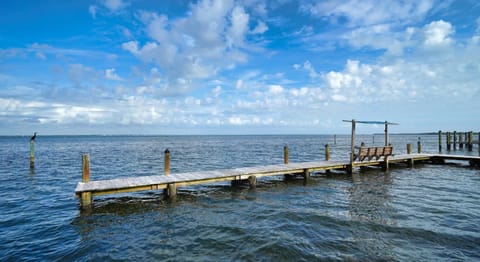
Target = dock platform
(87,189)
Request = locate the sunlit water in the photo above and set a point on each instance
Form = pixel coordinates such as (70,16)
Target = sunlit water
(427,212)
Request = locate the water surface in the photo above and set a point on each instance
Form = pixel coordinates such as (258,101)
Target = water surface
(423,213)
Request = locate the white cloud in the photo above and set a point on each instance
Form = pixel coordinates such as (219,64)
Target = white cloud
(438,33)
(114,5)
(238,28)
(111,75)
(275,89)
(212,37)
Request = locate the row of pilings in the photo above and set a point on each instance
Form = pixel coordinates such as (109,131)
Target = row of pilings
(458,140)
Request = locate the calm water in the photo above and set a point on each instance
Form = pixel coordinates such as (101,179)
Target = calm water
(425,213)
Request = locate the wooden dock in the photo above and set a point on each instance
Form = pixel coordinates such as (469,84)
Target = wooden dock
(86,189)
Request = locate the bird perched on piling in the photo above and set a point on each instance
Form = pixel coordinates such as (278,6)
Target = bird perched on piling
(33,137)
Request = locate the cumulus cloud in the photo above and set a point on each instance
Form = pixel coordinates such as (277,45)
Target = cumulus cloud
(212,37)
(438,33)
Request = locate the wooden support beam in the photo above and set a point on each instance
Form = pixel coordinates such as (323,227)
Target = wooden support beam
(252,181)
(352,149)
(409,149)
(460,140)
(172,190)
(386,164)
(470,141)
(448,142)
(306,174)
(86,199)
(285,154)
(439,140)
(454,140)
(419,146)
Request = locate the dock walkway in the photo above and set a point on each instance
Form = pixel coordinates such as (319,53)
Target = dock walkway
(86,190)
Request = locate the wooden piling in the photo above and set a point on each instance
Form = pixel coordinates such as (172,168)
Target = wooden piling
(166,166)
(454,140)
(470,141)
(172,190)
(440,141)
(86,197)
(327,152)
(32,153)
(419,146)
(448,142)
(252,181)
(409,151)
(460,140)
(285,154)
(334,139)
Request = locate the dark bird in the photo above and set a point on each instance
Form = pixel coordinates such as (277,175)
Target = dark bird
(33,137)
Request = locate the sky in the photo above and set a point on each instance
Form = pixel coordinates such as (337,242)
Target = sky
(238,67)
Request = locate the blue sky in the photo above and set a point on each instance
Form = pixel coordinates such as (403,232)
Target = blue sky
(238,67)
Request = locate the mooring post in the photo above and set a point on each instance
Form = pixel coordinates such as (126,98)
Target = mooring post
(172,190)
(32,153)
(409,151)
(166,166)
(449,147)
(86,197)
(252,182)
(439,140)
(327,152)
(460,140)
(419,146)
(285,154)
(334,139)
(470,141)
(454,140)
(478,143)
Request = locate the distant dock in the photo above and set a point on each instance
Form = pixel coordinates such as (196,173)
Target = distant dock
(87,189)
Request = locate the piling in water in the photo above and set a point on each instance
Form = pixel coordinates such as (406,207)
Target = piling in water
(440,141)
(285,154)
(32,153)
(327,152)
(86,197)
(419,146)
(166,166)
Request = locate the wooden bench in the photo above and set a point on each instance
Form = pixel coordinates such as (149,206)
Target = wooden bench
(372,152)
